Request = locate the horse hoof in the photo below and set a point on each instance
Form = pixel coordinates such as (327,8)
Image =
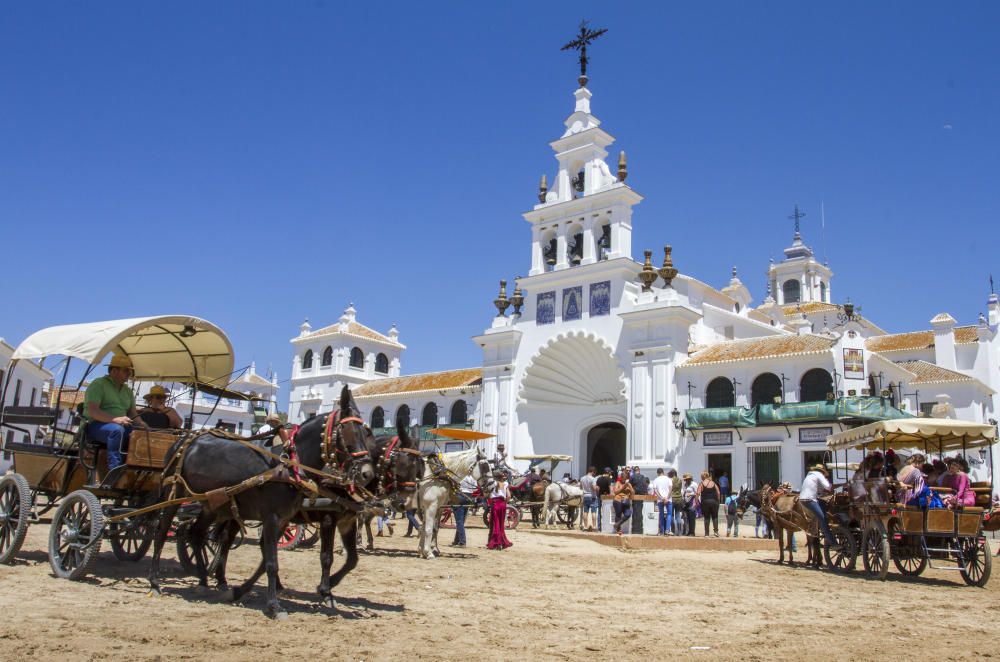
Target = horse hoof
(154,593)
(329,602)
(202,590)
(280,615)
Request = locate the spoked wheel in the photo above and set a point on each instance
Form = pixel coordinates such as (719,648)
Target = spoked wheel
(447,518)
(291,537)
(131,538)
(310,535)
(875,551)
(843,559)
(75,535)
(978,562)
(513,517)
(907,553)
(185,550)
(15,514)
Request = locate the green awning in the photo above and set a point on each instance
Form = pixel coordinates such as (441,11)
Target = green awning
(720,417)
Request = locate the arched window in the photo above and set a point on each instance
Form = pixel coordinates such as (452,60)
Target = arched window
(327,359)
(815,385)
(720,393)
(765,389)
(550,253)
(430,415)
(736,307)
(574,246)
(378,418)
(403,413)
(459,413)
(604,242)
(791,291)
(307,360)
(382,363)
(357,358)
(822,292)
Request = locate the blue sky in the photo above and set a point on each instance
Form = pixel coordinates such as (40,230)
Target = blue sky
(257,163)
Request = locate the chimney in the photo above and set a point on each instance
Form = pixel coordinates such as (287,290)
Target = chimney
(944,341)
(800,324)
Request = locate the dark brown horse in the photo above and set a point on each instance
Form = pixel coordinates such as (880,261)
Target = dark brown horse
(786,516)
(208,463)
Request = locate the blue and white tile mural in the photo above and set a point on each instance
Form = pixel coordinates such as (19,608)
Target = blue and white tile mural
(572,305)
(600,298)
(545,312)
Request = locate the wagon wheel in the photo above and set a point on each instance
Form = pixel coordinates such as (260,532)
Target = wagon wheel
(513,518)
(310,535)
(844,559)
(75,535)
(447,518)
(291,537)
(875,550)
(906,553)
(978,562)
(15,514)
(131,538)
(185,552)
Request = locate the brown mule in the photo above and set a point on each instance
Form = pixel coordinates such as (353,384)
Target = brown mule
(787,515)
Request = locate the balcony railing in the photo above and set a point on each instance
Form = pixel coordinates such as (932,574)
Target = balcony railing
(862,408)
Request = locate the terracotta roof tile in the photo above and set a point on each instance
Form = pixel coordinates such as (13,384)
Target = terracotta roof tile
(928,373)
(354,329)
(761,348)
(810,307)
(428,381)
(898,342)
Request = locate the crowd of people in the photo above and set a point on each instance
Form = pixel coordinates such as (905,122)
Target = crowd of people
(679,501)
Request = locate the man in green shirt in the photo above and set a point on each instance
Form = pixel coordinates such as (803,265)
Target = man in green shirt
(109,407)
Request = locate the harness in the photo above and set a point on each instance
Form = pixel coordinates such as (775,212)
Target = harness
(387,480)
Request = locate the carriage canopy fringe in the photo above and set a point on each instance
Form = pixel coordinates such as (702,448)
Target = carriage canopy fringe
(176,348)
(938,433)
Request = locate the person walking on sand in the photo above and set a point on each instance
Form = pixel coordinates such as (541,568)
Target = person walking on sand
(463,499)
(676,521)
(603,490)
(709,496)
(499,497)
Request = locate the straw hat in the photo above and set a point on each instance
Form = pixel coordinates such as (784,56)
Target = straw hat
(120,361)
(273,420)
(820,468)
(156,390)
(688,477)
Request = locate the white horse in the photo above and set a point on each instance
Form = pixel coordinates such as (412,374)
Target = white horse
(565,494)
(438,485)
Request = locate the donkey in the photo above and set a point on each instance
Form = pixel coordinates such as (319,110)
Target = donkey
(436,489)
(209,462)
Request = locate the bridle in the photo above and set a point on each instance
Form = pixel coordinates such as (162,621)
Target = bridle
(485,475)
(388,482)
(334,449)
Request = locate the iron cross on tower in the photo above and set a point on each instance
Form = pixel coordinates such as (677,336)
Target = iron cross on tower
(584,39)
(797,216)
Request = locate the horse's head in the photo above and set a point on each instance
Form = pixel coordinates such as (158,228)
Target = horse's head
(352,438)
(743,499)
(481,471)
(400,465)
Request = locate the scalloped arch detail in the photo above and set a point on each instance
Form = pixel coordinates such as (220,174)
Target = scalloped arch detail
(576,369)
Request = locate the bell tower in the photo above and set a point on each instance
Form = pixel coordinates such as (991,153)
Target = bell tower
(799,278)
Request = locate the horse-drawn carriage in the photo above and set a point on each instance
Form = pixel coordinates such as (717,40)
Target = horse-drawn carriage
(866,519)
(67,469)
(564,498)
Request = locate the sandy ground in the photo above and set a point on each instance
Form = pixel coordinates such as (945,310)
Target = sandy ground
(546,598)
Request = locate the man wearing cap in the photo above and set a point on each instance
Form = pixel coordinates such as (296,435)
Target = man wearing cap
(689,491)
(109,407)
(816,482)
(156,414)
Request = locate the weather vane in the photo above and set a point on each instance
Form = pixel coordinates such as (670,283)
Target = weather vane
(584,39)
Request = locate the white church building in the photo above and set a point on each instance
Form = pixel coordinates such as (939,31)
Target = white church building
(616,361)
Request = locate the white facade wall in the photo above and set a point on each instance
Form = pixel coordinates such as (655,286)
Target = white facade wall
(27,386)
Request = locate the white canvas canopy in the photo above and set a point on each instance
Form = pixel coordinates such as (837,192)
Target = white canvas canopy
(174,348)
(938,434)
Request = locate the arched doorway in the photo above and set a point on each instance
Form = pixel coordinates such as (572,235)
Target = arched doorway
(606,446)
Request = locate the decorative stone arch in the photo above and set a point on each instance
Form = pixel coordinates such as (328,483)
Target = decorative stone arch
(550,248)
(573,368)
(575,237)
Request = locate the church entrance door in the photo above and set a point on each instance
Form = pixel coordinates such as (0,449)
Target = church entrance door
(606,446)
